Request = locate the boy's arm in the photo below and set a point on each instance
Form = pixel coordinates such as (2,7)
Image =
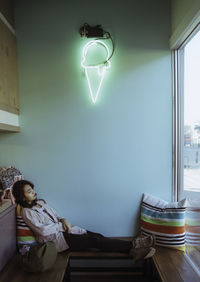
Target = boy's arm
(33,221)
(65,223)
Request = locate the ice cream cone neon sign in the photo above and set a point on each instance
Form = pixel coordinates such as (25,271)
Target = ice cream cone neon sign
(96,71)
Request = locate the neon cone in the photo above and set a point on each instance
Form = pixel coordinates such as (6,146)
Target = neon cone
(95,78)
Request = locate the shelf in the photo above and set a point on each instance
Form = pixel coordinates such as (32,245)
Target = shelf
(9,128)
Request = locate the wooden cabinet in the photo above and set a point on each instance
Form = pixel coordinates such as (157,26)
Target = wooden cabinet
(9,96)
(9,100)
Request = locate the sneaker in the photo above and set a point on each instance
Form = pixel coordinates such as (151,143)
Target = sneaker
(143,242)
(142,253)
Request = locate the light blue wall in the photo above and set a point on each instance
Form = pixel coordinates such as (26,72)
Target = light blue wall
(93,162)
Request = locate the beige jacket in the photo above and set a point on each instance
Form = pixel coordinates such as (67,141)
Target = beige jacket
(44,227)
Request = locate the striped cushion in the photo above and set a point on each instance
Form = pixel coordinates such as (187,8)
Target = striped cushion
(25,235)
(165,220)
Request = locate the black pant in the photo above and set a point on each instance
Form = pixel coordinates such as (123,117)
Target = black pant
(92,240)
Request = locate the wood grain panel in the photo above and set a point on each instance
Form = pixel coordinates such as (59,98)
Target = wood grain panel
(9,100)
(173,266)
(6,8)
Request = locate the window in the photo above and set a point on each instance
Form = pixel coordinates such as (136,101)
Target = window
(186,151)
(187,118)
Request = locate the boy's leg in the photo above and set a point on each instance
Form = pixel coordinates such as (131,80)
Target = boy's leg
(92,240)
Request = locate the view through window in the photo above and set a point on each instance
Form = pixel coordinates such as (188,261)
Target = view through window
(192,115)
(189,142)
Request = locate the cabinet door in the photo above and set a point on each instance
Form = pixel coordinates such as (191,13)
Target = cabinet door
(8,71)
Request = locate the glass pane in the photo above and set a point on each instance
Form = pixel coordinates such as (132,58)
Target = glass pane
(192,114)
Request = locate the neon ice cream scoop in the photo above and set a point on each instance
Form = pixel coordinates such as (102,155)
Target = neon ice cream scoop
(95,72)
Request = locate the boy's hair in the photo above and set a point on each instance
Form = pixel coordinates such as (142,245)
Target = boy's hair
(18,192)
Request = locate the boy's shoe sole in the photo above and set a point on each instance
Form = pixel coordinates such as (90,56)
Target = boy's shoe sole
(150,254)
(142,253)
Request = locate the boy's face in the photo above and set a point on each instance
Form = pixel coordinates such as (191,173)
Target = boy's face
(29,194)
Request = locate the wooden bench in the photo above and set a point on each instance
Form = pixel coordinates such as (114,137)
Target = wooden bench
(166,265)
(172,266)
(61,271)
(13,272)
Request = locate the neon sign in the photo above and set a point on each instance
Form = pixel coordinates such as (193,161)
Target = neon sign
(95,72)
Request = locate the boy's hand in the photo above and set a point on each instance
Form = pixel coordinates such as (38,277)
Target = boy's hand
(66,225)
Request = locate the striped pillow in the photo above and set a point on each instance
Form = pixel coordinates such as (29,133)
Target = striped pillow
(165,220)
(25,235)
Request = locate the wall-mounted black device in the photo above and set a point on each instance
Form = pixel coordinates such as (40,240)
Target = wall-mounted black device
(91,31)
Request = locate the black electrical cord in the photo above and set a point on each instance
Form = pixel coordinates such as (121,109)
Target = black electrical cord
(113,44)
(108,36)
